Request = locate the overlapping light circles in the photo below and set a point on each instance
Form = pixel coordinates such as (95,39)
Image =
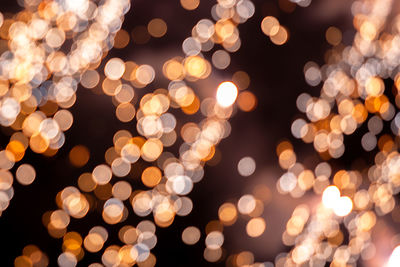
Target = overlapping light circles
(38,78)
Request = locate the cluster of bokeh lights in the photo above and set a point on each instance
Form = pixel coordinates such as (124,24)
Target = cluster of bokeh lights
(54,47)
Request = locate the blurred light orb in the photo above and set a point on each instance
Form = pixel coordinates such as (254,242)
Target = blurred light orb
(214,240)
(394,259)
(270,25)
(114,68)
(190,4)
(343,206)
(246,166)
(226,94)
(25,174)
(191,235)
(246,204)
(255,227)
(330,196)
(288,182)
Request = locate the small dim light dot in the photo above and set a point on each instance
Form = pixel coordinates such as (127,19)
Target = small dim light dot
(247,101)
(79,155)
(157,27)
(121,39)
(333,36)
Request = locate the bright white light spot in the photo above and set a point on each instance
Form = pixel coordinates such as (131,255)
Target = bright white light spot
(394,259)
(76,6)
(226,94)
(330,196)
(343,206)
